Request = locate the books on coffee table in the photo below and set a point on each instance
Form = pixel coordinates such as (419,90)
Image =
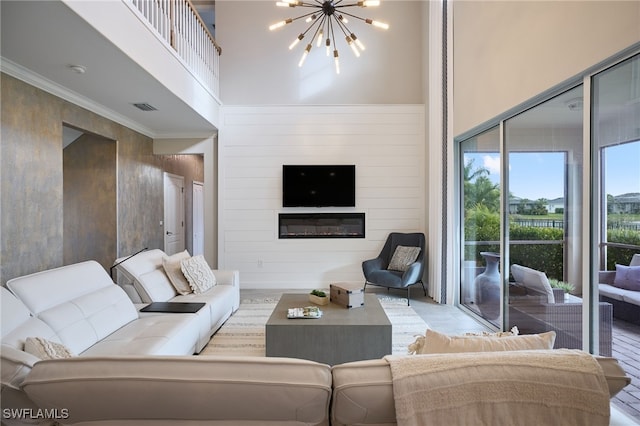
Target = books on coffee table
(306,312)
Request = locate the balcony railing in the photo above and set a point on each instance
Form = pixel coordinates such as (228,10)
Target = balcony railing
(178,23)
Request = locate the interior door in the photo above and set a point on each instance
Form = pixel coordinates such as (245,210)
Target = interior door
(174,237)
(198,218)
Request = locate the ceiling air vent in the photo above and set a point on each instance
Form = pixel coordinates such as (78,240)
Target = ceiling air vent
(145,106)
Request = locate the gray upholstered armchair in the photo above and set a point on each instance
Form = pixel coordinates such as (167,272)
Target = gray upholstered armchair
(377,271)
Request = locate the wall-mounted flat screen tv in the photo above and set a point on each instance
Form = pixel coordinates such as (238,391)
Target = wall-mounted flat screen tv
(318,185)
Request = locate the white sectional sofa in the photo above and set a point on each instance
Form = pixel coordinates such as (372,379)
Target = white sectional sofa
(79,307)
(132,369)
(91,315)
(250,391)
(145,281)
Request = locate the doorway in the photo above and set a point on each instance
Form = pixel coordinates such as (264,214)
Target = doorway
(174,234)
(89,197)
(198,218)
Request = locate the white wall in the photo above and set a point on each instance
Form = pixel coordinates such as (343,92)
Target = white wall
(257,68)
(506,52)
(385,142)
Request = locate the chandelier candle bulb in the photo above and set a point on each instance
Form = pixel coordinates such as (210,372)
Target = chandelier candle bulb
(328,44)
(304,55)
(377,24)
(369,3)
(343,19)
(280,24)
(320,36)
(357,42)
(353,46)
(296,41)
(337,61)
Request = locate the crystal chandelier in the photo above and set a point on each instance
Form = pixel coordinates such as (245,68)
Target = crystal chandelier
(325,19)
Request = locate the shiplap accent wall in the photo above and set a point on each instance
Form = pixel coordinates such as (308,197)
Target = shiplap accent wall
(385,142)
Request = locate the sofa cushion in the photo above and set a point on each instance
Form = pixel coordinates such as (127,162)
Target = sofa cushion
(46,289)
(213,390)
(79,302)
(403,257)
(632,297)
(82,322)
(16,365)
(198,273)
(435,343)
(46,349)
(17,323)
(141,263)
(533,280)
(627,277)
(171,265)
(612,292)
(154,286)
(159,334)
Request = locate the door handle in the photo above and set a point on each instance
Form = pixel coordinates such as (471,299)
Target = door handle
(169,233)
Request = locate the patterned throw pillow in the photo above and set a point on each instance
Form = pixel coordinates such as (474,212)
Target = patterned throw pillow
(172,267)
(198,274)
(46,349)
(402,257)
(627,277)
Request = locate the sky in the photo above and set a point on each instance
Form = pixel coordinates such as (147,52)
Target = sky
(536,175)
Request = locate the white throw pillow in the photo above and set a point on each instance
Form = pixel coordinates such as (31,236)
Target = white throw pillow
(403,257)
(198,274)
(172,267)
(46,349)
(437,343)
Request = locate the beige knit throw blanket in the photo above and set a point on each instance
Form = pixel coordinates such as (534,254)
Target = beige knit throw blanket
(520,388)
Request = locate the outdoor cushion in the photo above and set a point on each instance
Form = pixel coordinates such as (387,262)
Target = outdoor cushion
(627,277)
(533,280)
(612,292)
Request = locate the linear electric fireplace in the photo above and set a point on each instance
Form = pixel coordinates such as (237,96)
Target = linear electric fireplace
(321,225)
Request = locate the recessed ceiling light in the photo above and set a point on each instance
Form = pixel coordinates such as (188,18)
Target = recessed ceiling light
(79,69)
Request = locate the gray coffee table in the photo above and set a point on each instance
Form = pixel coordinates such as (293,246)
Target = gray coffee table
(341,335)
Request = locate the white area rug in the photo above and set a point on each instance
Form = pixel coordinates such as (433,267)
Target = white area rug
(243,333)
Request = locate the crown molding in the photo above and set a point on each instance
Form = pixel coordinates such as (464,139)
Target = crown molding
(21,73)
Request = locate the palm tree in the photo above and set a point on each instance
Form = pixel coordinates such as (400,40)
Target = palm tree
(478,188)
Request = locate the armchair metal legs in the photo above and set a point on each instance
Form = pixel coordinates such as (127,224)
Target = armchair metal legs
(408,290)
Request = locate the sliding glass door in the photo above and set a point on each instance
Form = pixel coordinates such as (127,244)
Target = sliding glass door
(616,141)
(480,216)
(529,197)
